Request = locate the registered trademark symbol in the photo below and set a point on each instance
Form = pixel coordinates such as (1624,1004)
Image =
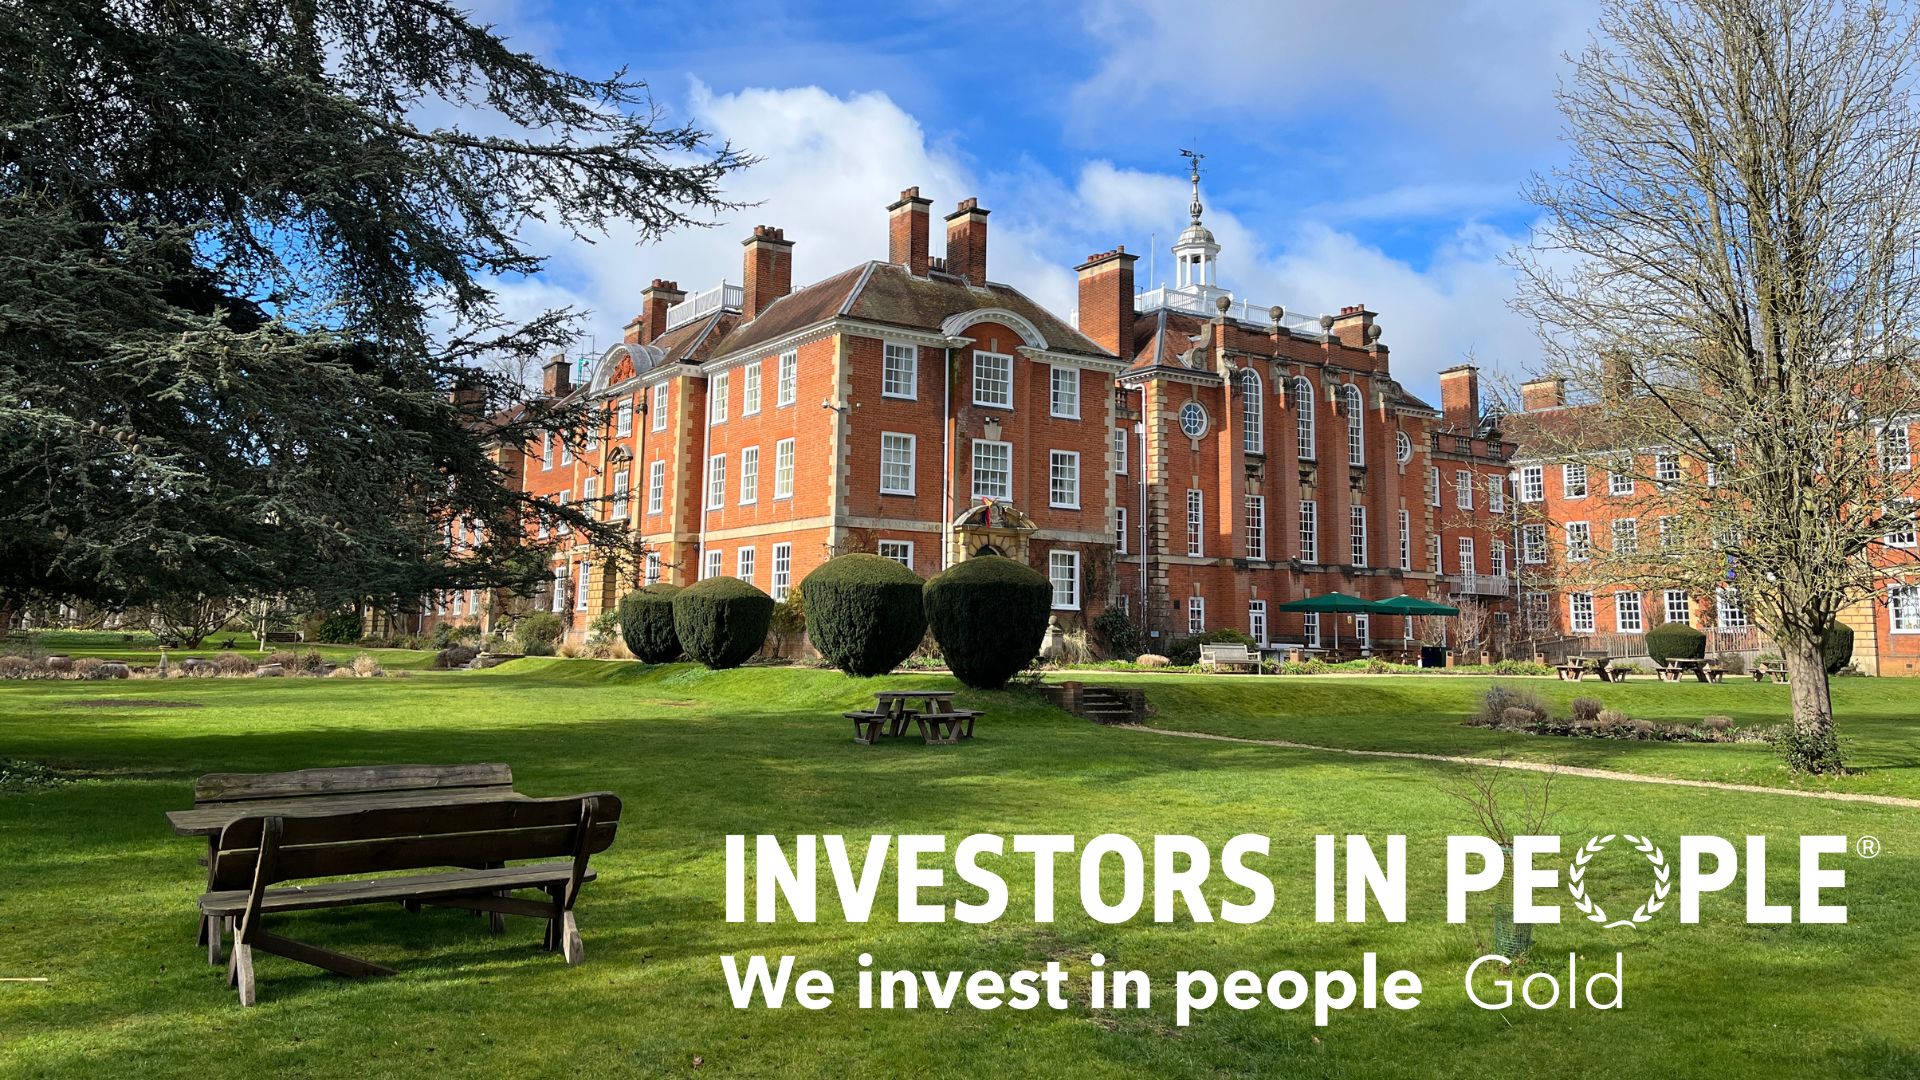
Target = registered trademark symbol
(1867,846)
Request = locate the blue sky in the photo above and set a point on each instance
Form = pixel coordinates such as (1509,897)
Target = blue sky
(1366,152)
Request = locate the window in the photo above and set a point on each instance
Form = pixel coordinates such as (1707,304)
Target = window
(618,510)
(1533,544)
(1363,629)
(1903,608)
(546,450)
(1357,531)
(717,397)
(1579,541)
(1063,391)
(1309,531)
(1311,623)
(1256,527)
(1462,489)
(1620,479)
(715,564)
(993,380)
(1253,418)
(750,389)
(566,451)
(656,487)
(1303,417)
(1433,485)
(1669,534)
(1626,613)
(789,379)
(558,601)
(1433,554)
(1120,529)
(1900,529)
(783,469)
(1120,445)
(1539,613)
(658,411)
(1406,540)
(561,500)
(1626,536)
(1464,551)
(1679,607)
(1497,494)
(716,481)
(1666,469)
(623,418)
(1573,481)
(992,470)
(749,476)
(1196,615)
(585,591)
(653,568)
(743,565)
(900,551)
(1533,484)
(1257,621)
(900,371)
(1580,612)
(1497,559)
(1730,611)
(1063,479)
(1896,450)
(1356,426)
(896,463)
(1193,419)
(1196,522)
(782,570)
(590,491)
(1402,447)
(1063,570)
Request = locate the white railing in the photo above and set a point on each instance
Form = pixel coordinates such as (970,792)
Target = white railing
(1194,303)
(1479,585)
(693,307)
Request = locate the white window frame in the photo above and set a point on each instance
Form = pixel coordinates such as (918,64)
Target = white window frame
(1257,622)
(1253,413)
(998,460)
(1680,597)
(1063,573)
(750,389)
(1406,540)
(1063,471)
(894,443)
(1357,533)
(716,564)
(1469,559)
(656,487)
(782,580)
(1497,494)
(623,418)
(1533,544)
(1063,391)
(1120,530)
(1303,427)
(1533,483)
(1903,608)
(1902,533)
(1463,489)
(1497,559)
(900,551)
(900,370)
(988,389)
(1620,480)
(717,398)
(1730,609)
(1434,565)
(717,482)
(1666,469)
(1629,613)
(1196,523)
(788,377)
(1433,485)
(653,568)
(1257,527)
(743,561)
(617,509)
(749,475)
(546,450)
(1580,619)
(1310,624)
(1627,530)
(1122,442)
(585,591)
(1579,541)
(1309,531)
(1896,448)
(658,411)
(1196,615)
(1356,402)
(783,469)
(1573,480)
(562,579)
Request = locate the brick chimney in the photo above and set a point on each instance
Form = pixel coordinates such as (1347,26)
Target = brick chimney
(1106,299)
(967,242)
(556,376)
(469,395)
(1616,378)
(1460,396)
(768,270)
(1546,393)
(908,224)
(1350,326)
(652,319)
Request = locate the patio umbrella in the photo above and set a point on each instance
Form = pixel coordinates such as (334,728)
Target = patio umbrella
(1408,606)
(1333,603)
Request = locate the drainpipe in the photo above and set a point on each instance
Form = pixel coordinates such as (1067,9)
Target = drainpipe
(946,457)
(702,483)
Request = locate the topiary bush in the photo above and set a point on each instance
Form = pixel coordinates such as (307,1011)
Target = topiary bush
(339,628)
(646,624)
(864,613)
(537,633)
(1675,641)
(989,615)
(1836,647)
(721,621)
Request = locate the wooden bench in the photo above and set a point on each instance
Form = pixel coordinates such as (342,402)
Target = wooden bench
(944,728)
(1228,657)
(1769,669)
(867,725)
(1572,670)
(256,853)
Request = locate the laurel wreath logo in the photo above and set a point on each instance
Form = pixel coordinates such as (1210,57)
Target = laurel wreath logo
(1576,883)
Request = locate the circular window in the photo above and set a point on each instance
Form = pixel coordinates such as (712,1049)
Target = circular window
(1193,419)
(1404,446)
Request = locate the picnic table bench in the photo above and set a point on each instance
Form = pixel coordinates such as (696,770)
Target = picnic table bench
(1603,668)
(1769,669)
(1704,670)
(894,708)
(1228,657)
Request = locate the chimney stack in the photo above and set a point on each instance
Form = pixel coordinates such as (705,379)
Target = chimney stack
(768,272)
(1545,393)
(556,377)
(652,320)
(1106,300)
(967,242)
(1351,325)
(1460,396)
(908,223)
(1616,378)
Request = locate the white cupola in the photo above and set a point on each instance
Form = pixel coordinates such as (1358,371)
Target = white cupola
(1195,252)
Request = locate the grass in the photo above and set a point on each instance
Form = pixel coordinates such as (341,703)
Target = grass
(143,648)
(99,894)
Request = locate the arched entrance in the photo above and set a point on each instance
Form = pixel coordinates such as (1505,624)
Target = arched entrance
(990,528)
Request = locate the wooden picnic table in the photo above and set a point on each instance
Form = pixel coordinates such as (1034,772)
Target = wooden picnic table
(1702,669)
(893,709)
(1769,669)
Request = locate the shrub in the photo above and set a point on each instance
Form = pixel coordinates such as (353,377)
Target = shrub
(90,667)
(309,662)
(366,666)
(15,667)
(341,672)
(230,663)
(864,613)
(339,628)
(1152,660)
(1611,719)
(1733,663)
(789,621)
(1586,709)
(1499,700)
(1836,647)
(536,633)
(1517,717)
(446,634)
(721,621)
(603,633)
(455,656)
(646,624)
(1118,634)
(1641,728)
(989,615)
(1185,651)
(1675,641)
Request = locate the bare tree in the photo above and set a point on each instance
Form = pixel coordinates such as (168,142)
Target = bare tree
(1727,269)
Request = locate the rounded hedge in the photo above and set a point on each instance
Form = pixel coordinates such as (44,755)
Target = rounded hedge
(1675,641)
(721,621)
(646,624)
(537,632)
(864,613)
(989,615)
(1836,647)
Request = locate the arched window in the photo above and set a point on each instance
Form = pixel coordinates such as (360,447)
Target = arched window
(1356,426)
(1252,413)
(1303,416)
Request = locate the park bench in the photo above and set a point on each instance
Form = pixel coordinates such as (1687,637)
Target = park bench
(945,728)
(1228,657)
(1769,669)
(478,839)
(867,725)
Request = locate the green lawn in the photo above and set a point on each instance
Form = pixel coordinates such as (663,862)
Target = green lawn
(98,894)
(143,648)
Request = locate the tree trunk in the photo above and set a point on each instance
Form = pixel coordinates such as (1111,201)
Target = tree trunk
(1811,747)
